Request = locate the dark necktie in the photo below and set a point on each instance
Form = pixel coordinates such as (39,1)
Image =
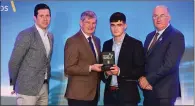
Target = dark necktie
(154,40)
(92,47)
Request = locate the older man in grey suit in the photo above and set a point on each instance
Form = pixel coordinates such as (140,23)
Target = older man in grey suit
(29,65)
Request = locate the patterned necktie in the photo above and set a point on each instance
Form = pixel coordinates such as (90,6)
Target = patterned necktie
(154,40)
(91,45)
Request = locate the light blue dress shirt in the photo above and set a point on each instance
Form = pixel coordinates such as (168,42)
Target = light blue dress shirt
(116,47)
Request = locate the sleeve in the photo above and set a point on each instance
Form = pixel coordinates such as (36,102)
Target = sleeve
(103,75)
(71,60)
(20,49)
(138,60)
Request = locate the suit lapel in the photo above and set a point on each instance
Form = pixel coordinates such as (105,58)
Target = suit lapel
(148,43)
(51,43)
(109,46)
(97,47)
(87,46)
(40,42)
(160,40)
(122,48)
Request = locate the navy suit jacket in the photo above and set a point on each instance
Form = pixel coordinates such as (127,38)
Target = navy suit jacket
(162,63)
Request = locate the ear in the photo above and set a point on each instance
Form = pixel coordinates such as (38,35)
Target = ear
(81,23)
(169,18)
(35,19)
(125,26)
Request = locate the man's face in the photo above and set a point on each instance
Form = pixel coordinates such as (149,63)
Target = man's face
(43,18)
(118,28)
(88,25)
(161,18)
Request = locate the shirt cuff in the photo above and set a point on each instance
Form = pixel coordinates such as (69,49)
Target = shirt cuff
(90,68)
(106,76)
(119,72)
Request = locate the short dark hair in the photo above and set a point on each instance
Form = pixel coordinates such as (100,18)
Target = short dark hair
(118,16)
(39,7)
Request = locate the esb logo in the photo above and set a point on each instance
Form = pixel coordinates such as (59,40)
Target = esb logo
(4,8)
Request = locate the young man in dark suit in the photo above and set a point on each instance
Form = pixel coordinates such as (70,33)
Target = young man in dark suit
(121,80)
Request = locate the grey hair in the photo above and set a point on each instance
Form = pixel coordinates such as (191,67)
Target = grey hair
(89,14)
(165,8)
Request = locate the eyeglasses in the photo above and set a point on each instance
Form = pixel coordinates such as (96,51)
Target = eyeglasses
(161,16)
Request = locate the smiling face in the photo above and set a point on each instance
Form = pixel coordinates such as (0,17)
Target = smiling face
(161,17)
(88,25)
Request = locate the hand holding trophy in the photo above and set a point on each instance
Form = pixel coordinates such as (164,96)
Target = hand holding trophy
(108,60)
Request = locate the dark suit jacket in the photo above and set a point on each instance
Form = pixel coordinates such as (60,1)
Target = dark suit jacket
(131,64)
(82,84)
(162,63)
(28,62)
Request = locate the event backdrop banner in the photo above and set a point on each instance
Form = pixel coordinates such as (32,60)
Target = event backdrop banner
(17,15)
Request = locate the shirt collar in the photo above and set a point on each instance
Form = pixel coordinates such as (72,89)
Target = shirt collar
(160,32)
(41,31)
(86,36)
(123,36)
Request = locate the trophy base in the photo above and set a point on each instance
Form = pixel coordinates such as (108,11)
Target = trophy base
(106,67)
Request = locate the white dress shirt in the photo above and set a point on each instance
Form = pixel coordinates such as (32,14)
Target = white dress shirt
(94,46)
(45,41)
(160,33)
(116,47)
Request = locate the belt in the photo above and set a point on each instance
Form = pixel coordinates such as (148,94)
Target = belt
(45,81)
(113,88)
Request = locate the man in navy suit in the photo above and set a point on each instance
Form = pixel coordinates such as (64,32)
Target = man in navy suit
(164,48)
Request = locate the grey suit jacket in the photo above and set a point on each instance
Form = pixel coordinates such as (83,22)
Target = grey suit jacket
(28,62)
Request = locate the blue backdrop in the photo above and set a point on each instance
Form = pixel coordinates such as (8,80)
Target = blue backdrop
(65,23)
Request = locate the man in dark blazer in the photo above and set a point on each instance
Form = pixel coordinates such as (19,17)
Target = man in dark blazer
(164,48)
(121,80)
(81,57)
(29,65)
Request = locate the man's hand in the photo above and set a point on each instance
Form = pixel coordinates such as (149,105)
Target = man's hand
(149,87)
(108,73)
(115,70)
(13,92)
(96,67)
(11,89)
(144,84)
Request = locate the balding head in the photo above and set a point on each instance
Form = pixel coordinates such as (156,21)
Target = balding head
(161,8)
(161,17)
